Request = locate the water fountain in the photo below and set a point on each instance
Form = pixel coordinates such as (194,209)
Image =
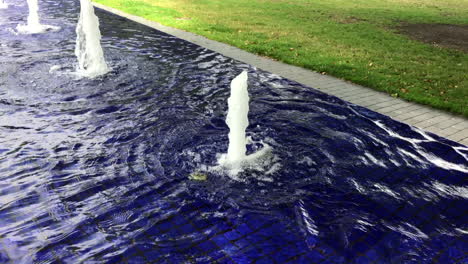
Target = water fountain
(89,166)
(236,158)
(34,26)
(88,48)
(237,120)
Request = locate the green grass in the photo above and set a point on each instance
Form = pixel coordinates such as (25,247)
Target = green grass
(355,40)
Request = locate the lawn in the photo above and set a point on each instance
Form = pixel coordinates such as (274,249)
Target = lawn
(356,40)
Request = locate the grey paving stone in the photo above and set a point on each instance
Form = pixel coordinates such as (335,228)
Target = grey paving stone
(431,121)
(352,87)
(374,100)
(417,119)
(461,125)
(459,136)
(389,109)
(361,97)
(319,86)
(464,142)
(407,109)
(344,93)
(437,131)
(331,90)
(448,123)
(405,117)
(365,96)
(385,106)
(351,90)
(449,130)
(330,85)
(418,112)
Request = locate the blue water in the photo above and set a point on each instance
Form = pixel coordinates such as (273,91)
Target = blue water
(97,171)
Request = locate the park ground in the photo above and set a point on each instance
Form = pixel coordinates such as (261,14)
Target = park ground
(413,49)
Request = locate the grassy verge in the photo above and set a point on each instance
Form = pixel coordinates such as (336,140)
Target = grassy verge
(355,40)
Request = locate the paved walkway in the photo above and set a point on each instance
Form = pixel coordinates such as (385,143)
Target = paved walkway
(438,122)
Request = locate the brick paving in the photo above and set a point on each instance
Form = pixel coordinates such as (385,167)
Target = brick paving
(429,119)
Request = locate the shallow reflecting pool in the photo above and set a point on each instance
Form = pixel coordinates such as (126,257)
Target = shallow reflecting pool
(98,170)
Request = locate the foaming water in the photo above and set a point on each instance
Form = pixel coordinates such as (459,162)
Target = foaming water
(260,165)
(34,26)
(96,170)
(3,5)
(88,50)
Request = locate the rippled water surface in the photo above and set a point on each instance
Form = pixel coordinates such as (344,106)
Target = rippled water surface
(97,171)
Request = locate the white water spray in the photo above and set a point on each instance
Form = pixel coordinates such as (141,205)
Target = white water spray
(33,17)
(260,164)
(3,4)
(34,26)
(237,119)
(88,48)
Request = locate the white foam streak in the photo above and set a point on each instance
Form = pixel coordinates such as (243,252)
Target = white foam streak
(430,158)
(263,161)
(374,160)
(459,151)
(445,164)
(450,191)
(409,231)
(309,223)
(387,190)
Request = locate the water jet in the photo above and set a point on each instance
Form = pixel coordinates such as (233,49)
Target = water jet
(236,158)
(88,50)
(237,120)
(3,4)
(33,25)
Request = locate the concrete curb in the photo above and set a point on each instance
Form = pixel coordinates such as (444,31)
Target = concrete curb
(438,122)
